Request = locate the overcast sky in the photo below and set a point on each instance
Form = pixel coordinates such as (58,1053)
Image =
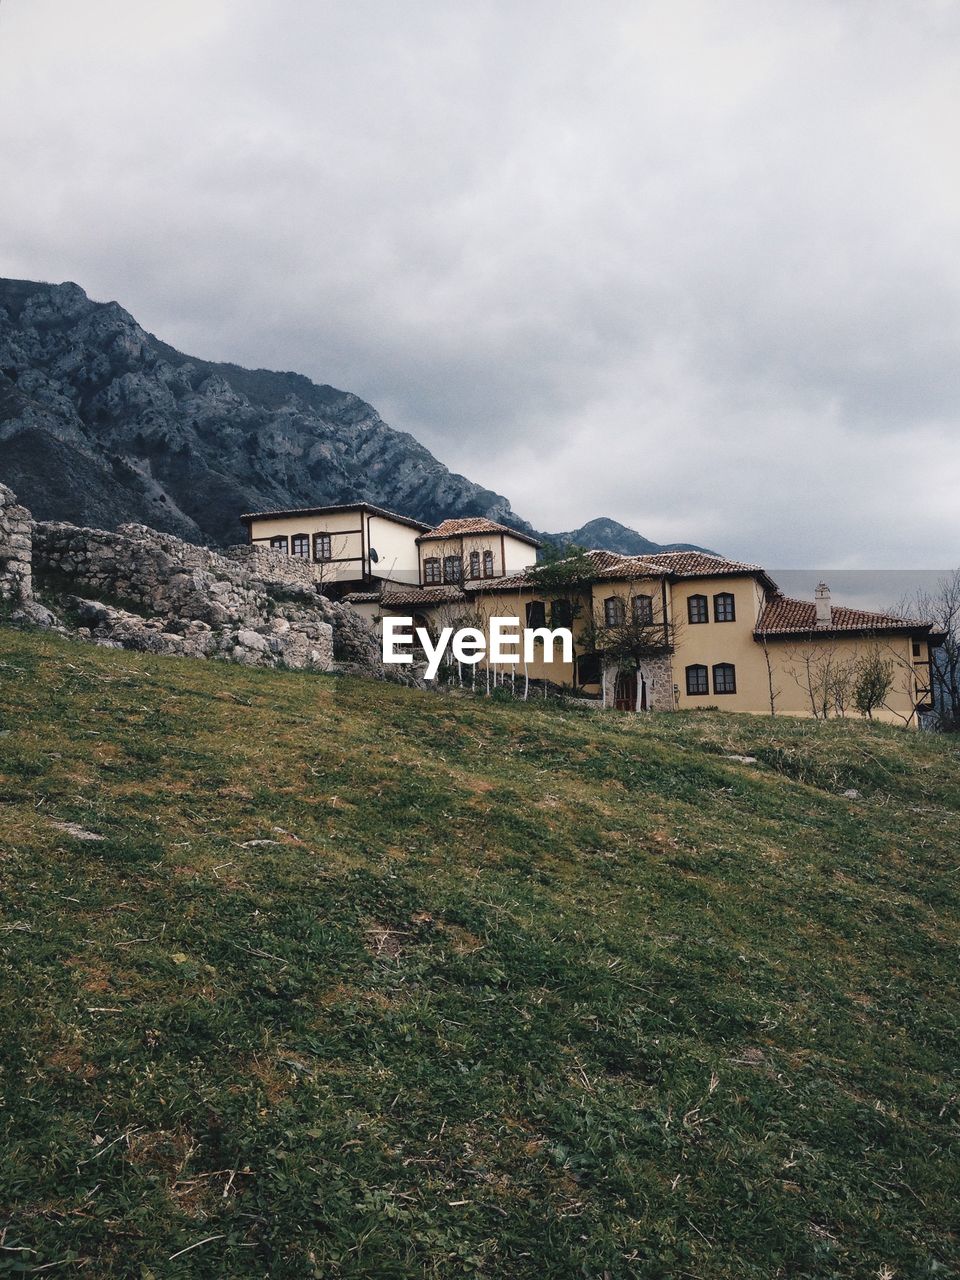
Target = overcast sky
(694,266)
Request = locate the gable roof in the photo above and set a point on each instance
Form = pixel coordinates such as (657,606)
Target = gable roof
(703,564)
(334,509)
(457,528)
(784,616)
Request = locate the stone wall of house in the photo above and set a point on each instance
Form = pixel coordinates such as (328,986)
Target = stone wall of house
(15,549)
(658,674)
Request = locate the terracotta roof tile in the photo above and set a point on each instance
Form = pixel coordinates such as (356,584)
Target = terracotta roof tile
(699,564)
(474,524)
(784,616)
(405,596)
(512,582)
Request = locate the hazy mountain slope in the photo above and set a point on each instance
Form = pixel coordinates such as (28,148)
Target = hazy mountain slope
(101,422)
(613,536)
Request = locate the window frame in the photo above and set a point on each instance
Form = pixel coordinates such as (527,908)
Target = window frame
(728,598)
(302,539)
(698,603)
(642,610)
(489,569)
(432,571)
(699,668)
(588,669)
(614,611)
(538,608)
(280,542)
(561,613)
(474,564)
(726,667)
(319,538)
(453,575)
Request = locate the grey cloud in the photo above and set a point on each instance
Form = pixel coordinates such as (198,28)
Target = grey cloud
(691,266)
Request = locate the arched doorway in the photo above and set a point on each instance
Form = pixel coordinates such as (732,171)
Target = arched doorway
(625,691)
(630,691)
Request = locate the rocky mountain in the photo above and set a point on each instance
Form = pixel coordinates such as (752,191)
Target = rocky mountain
(610,535)
(102,423)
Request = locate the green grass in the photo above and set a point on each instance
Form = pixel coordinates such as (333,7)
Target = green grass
(512,991)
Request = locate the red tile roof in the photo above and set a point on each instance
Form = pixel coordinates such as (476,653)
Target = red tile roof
(699,564)
(402,597)
(474,524)
(611,564)
(784,616)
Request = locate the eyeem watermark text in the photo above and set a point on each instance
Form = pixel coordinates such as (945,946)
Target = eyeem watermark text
(508,643)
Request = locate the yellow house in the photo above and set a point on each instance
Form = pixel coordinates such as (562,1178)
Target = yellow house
(686,630)
(662,632)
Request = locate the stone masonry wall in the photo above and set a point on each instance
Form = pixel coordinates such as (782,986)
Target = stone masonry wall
(658,673)
(15,549)
(264,562)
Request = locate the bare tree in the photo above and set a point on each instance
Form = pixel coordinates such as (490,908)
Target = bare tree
(941,606)
(841,678)
(772,692)
(814,670)
(873,681)
(625,640)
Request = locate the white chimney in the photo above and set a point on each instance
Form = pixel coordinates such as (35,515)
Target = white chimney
(822,599)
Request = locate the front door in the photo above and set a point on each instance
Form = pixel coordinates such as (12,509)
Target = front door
(625,693)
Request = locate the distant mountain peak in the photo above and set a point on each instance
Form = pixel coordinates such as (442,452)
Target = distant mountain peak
(103,423)
(610,535)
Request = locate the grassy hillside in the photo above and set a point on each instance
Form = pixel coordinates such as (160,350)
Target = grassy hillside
(358,981)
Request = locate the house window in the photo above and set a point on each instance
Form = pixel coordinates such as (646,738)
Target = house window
(723,607)
(536,614)
(452,568)
(643,610)
(724,678)
(613,611)
(431,569)
(561,613)
(588,668)
(697,609)
(279,543)
(697,681)
(322,548)
(916,648)
(488,564)
(300,545)
(474,564)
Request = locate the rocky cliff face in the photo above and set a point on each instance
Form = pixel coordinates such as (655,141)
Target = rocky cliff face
(101,423)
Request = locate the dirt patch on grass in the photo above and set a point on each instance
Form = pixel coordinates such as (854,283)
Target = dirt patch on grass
(384,942)
(71,1059)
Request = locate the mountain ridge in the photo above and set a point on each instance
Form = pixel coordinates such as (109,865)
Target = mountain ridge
(102,422)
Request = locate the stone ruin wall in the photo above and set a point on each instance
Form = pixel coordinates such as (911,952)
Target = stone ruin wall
(139,589)
(15,549)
